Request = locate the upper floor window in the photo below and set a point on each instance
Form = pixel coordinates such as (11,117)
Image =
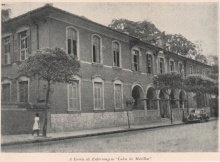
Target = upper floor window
(149,64)
(191,70)
(72,41)
(197,70)
(96,49)
(203,72)
(171,66)
(24,45)
(161,65)
(116,54)
(135,60)
(181,68)
(7,50)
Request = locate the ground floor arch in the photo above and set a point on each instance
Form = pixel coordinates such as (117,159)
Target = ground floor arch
(138,95)
(182,99)
(151,101)
(173,99)
(164,112)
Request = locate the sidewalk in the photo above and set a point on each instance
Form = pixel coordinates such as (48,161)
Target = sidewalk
(28,138)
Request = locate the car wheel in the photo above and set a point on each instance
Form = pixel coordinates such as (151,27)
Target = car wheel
(200,120)
(207,119)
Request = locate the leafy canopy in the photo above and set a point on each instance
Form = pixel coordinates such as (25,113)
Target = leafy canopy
(168,81)
(199,85)
(6,12)
(148,32)
(51,65)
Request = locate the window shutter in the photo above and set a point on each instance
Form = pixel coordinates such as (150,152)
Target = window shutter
(16,48)
(139,61)
(147,62)
(29,41)
(132,60)
(11,49)
(3,51)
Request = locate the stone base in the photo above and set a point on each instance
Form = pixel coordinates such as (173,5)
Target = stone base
(71,122)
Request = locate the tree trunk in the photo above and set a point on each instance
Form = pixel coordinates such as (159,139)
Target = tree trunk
(128,117)
(46,110)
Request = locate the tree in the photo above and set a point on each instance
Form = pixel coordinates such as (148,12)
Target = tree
(167,82)
(145,31)
(148,32)
(179,44)
(5,13)
(200,85)
(51,66)
(128,101)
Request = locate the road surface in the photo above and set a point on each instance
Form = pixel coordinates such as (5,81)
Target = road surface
(196,137)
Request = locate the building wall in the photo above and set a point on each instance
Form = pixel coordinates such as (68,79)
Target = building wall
(20,121)
(52,33)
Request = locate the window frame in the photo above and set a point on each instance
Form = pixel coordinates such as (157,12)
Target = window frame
(191,69)
(138,58)
(7,81)
(159,69)
(197,70)
(100,49)
(77,41)
(119,53)
(25,50)
(22,79)
(182,70)
(98,79)
(170,68)
(9,36)
(118,82)
(151,67)
(78,80)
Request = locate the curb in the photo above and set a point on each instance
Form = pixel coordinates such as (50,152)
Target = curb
(48,139)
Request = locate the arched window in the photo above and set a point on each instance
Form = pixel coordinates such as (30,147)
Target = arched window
(116,54)
(98,93)
(135,59)
(191,69)
(96,49)
(74,95)
(149,63)
(161,65)
(172,66)
(118,94)
(23,89)
(72,41)
(7,49)
(181,68)
(6,90)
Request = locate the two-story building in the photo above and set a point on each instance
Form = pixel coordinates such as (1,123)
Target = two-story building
(114,65)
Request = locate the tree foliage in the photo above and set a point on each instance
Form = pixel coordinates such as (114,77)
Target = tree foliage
(200,85)
(5,13)
(168,81)
(145,31)
(52,66)
(148,32)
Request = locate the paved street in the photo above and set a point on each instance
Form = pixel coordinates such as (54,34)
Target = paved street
(196,137)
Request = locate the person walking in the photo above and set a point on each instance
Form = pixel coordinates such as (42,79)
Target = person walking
(36,127)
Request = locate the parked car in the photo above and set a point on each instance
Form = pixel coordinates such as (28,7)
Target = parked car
(196,116)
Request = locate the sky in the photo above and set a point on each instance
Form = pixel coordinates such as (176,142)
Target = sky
(198,22)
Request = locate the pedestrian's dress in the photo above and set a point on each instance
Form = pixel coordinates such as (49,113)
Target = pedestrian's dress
(36,125)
